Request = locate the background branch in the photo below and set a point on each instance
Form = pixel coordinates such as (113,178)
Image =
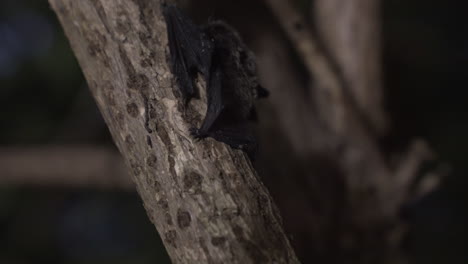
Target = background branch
(64,166)
(350,32)
(346,176)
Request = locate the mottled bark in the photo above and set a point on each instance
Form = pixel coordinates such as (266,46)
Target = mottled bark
(204,198)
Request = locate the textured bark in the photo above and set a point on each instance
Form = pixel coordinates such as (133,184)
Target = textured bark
(204,198)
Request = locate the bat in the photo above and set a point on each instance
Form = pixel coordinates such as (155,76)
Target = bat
(216,51)
(189,47)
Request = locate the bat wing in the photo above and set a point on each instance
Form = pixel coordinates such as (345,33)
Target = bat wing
(215,102)
(238,136)
(192,52)
(189,47)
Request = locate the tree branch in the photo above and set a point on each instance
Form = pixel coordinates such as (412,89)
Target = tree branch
(64,166)
(205,199)
(355,186)
(350,31)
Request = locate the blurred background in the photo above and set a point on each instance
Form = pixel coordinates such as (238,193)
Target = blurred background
(47,112)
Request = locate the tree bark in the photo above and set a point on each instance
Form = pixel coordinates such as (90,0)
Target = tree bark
(204,198)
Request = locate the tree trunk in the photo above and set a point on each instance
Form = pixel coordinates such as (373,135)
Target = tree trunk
(205,199)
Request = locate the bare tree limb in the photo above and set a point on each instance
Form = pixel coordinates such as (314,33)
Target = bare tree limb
(205,199)
(317,64)
(359,156)
(64,166)
(350,31)
(363,191)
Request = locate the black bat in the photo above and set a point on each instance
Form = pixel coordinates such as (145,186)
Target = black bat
(216,51)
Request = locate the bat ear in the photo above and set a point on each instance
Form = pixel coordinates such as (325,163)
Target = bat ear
(262,92)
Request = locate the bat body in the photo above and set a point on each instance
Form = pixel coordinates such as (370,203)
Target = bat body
(216,51)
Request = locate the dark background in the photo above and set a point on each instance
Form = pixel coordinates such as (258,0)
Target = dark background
(44,101)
